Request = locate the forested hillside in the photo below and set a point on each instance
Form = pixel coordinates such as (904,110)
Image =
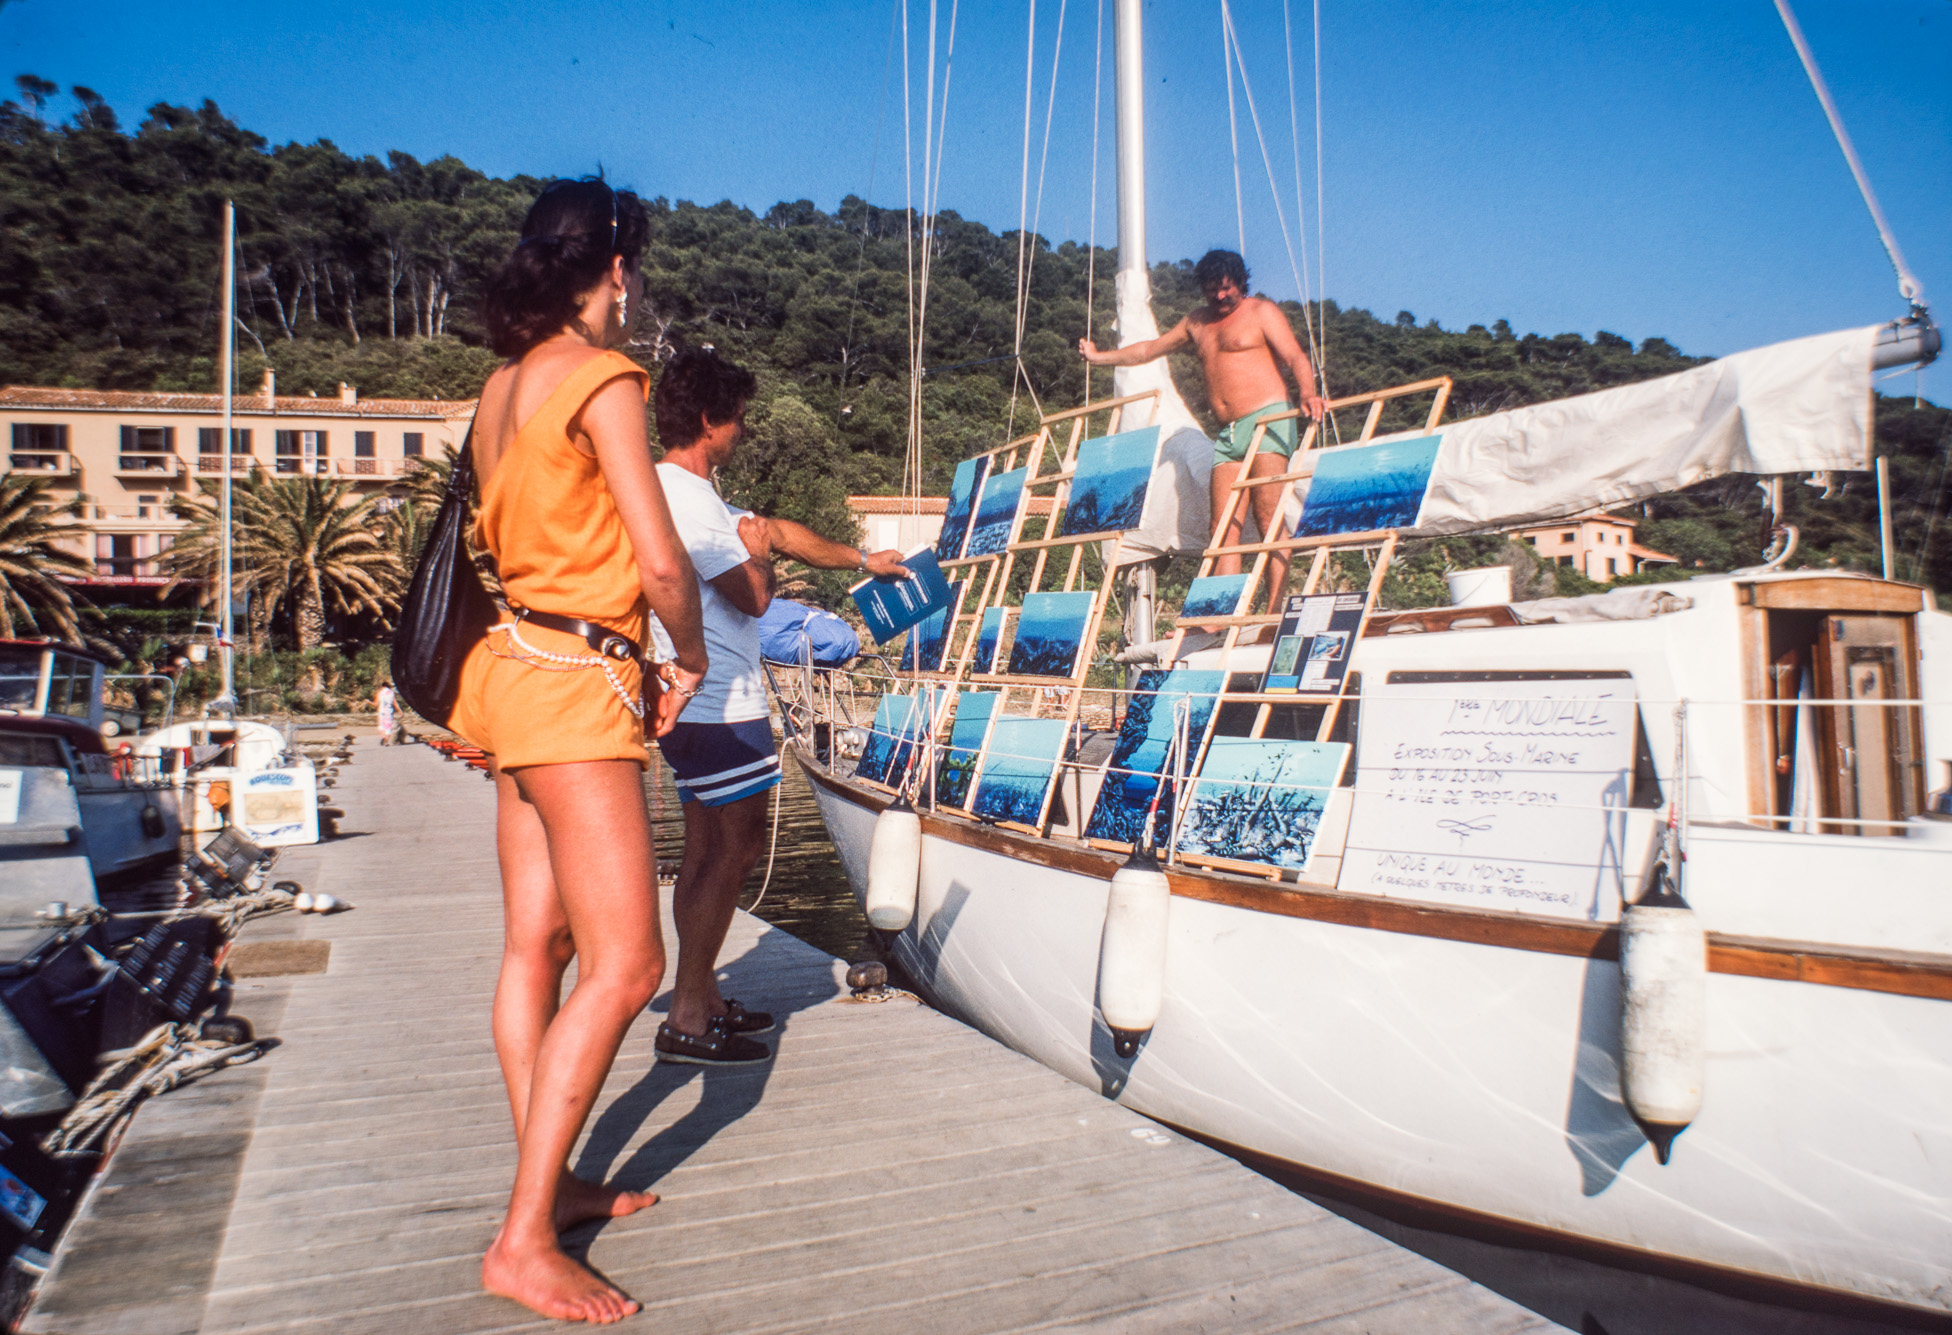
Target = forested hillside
(371,271)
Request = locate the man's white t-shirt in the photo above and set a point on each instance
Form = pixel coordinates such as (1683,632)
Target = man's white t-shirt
(734,688)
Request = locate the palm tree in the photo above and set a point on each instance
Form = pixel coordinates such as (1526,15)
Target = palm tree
(32,596)
(427,480)
(302,543)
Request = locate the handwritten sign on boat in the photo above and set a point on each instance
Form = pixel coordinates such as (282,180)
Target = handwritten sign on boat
(1497,790)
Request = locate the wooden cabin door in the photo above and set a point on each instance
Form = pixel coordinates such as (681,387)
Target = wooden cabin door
(1869,750)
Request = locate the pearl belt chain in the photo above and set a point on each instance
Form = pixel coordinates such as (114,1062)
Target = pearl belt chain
(545,661)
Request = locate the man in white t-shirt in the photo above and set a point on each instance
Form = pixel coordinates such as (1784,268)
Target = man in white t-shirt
(722,748)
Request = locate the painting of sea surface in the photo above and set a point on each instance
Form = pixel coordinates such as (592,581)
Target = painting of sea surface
(1108,487)
(1360,488)
(899,720)
(963,489)
(957,765)
(996,515)
(1139,755)
(1017,771)
(1050,633)
(987,640)
(1261,801)
(928,642)
(1213,596)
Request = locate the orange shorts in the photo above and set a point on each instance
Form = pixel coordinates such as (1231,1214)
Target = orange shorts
(531,711)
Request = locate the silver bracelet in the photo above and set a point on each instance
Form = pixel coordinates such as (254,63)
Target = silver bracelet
(862,554)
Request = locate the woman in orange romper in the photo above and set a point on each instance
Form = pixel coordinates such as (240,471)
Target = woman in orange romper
(572,512)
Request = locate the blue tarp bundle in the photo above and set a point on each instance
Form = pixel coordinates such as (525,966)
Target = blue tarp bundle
(788,628)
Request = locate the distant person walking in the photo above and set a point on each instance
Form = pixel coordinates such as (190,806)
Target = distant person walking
(722,753)
(1244,343)
(577,522)
(384,714)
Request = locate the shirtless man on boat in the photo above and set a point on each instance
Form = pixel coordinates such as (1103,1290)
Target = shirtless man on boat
(1243,342)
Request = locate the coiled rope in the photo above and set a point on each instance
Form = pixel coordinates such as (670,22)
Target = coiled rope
(168,1056)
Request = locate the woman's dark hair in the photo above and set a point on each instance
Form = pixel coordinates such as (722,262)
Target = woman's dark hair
(1218,264)
(698,386)
(572,231)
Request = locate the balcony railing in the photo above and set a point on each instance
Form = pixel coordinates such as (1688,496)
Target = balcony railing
(298,463)
(167,465)
(44,463)
(214,463)
(369,467)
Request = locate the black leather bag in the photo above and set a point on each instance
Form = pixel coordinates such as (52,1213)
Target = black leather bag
(447,610)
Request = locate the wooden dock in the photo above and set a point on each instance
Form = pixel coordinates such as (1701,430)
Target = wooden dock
(891,1170)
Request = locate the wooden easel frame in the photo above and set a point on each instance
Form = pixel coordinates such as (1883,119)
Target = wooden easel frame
(1322,550)
(1035,453)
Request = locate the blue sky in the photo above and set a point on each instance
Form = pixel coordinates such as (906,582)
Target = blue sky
(1653,168)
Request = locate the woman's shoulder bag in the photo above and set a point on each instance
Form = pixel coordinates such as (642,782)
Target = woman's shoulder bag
(447,610)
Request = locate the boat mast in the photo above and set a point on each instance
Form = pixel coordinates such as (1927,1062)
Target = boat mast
(227,698)
(1129,55)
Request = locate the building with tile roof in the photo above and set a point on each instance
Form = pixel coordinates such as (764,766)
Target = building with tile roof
(128,454)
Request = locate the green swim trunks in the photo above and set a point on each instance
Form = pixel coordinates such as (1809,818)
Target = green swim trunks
(1279,438)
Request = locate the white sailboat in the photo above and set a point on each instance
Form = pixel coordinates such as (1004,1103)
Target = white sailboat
(1421,995)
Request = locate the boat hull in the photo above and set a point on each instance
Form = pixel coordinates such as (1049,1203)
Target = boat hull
(1471,1075)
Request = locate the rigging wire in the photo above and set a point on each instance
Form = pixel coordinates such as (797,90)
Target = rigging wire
(1308,320)
(1233,127)
(867,213)
(1321,234)
(1027,245)
(1908,285)
(1091,240)
(934,130)
(1237,58)
(1023,205)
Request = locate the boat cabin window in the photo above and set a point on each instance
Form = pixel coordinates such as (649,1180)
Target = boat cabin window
(20,677)
(71,686)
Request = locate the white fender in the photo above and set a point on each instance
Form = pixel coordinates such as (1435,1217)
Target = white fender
(1132,952)
(1663,1016)
(894,866)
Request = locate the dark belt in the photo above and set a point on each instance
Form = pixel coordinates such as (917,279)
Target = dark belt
(609,643)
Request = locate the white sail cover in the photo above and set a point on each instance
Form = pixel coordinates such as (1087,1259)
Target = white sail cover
(1797,407)
(1178,512)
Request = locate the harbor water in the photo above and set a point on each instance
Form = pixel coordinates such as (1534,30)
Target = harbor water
(807,894)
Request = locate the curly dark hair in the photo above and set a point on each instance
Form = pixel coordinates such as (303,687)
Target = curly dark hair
(698,386)
(1218,264)
(572,231)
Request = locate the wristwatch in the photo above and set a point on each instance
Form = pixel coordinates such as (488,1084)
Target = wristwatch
(861,562)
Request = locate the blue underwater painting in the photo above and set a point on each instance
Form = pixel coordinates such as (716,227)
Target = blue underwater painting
(1109,486)
(928,642)
(1139,756)
(963,488)
(897,723)
(1361,488)
(987,640)
(1261,801)
(996,516)
(1050,632)
(1213,596)
(957,765)
(1017,771)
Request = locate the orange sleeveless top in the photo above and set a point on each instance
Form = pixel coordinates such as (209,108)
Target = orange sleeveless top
(550,521)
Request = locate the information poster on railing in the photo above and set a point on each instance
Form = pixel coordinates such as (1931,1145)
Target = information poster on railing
(1502,791)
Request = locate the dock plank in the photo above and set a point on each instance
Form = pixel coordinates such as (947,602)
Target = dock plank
(891,1167)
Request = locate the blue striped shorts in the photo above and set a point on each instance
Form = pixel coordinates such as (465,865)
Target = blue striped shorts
(717,763)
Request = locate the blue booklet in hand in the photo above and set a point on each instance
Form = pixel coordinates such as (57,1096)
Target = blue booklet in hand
(891,606)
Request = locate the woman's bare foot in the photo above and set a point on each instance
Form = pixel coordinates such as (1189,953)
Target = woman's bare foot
(544,1280)
(578,1202)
